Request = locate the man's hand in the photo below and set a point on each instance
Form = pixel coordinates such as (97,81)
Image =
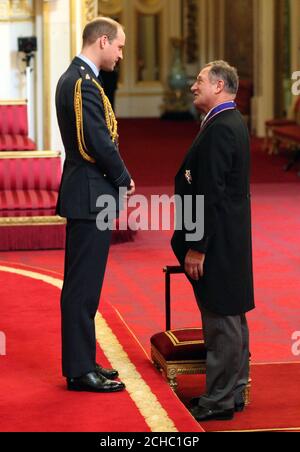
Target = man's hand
(132,189)
(193,264)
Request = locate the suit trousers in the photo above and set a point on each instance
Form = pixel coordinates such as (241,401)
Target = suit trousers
(227,364)
(85,262)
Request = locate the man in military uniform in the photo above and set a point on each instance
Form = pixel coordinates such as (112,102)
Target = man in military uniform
(93,167)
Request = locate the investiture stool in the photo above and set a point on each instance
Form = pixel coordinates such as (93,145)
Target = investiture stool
(93,167)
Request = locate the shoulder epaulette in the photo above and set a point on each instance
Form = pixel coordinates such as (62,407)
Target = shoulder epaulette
(110,118)
(79,122)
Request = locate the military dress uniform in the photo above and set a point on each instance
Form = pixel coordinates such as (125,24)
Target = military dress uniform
(93,167)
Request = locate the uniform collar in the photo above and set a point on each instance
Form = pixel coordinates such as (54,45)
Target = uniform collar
(90,64)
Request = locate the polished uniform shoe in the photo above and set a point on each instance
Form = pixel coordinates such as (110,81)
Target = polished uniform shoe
(111,374)
(206,414)
(94,382)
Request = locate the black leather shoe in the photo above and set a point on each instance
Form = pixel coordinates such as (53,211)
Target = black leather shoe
(93,382)
(193,402)
(111,374)
(238,407)
(206,414)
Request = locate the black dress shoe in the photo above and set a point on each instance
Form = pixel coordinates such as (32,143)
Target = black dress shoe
(111,374)
(93,382)
(193,402)
(206,414)
(238,407)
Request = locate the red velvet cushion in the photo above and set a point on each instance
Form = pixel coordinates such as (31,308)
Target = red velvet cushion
(290,132)
(17,142)
(20,203)
(182,344)
(30,173)
(13,120)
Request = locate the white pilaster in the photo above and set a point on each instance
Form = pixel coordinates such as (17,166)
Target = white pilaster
(263,101)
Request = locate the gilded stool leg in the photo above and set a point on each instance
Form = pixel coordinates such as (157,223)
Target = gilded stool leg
(246,393)
(173,383)
(172,378)
(156,365)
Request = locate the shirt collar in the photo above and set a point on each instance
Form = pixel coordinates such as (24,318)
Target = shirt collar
(90,64)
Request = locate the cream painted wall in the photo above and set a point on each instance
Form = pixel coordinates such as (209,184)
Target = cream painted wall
(12,74)
(263,101)
(12,81)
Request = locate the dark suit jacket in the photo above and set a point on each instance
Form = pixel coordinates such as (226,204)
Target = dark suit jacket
(82,181)
(218,161)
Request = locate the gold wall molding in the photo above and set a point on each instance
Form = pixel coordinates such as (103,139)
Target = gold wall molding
(16,10)
(111,7)
(149,6)
(73,31)
(46,65)
(13,102)
(28,154)
(89,11)
(32,221)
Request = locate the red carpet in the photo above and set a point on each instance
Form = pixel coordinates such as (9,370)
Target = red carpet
(33,395)
(153,150)
(275,404)
(134,280)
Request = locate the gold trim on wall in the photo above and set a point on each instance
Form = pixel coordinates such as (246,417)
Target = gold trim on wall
(108,8)
(89,11)
(149,6)
(16,10)
(28,154)
(73,28)
(13,102)
(32,221)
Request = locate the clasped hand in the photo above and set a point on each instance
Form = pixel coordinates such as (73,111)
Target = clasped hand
(193,264)
(131,190)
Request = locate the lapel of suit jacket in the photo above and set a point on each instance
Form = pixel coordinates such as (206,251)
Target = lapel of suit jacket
(200,136)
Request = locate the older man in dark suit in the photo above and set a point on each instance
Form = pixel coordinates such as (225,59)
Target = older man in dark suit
(219,266)
(93,167)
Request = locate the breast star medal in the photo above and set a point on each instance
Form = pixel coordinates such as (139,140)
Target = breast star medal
(188,176)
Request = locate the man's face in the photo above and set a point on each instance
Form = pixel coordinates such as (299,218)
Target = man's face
(113,51)
(204,91)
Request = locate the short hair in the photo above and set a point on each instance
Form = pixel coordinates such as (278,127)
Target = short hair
(222,70)
(99,27)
